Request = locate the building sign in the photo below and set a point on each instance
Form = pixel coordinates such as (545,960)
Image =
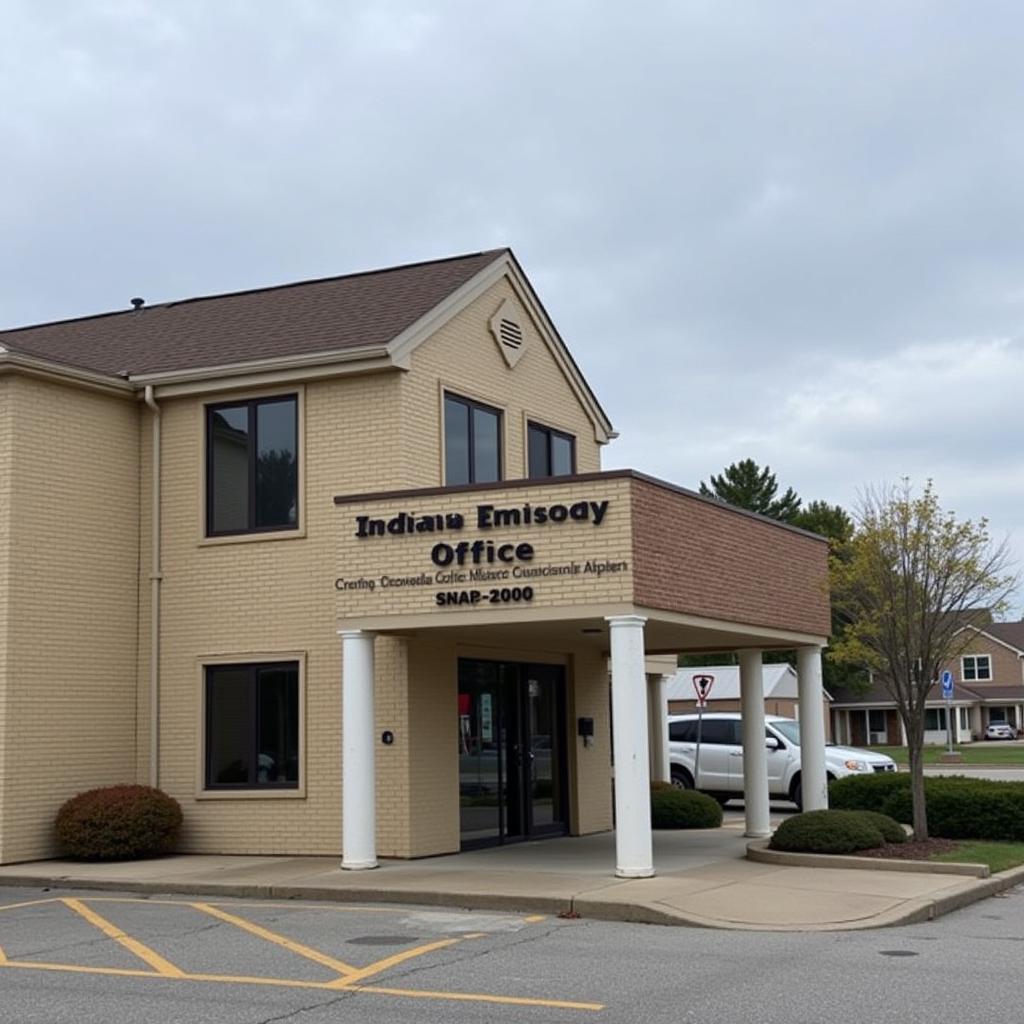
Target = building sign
(492,553)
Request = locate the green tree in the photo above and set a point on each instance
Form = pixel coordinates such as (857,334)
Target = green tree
(832,521)
(911,578)
(746,485)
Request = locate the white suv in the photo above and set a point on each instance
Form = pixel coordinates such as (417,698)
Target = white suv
(721,756)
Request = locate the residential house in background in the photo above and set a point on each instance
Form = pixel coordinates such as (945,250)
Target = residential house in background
(988,688)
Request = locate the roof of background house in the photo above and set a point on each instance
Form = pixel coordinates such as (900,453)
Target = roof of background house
(326,315)
(877,694)
(779,681)
(1010,633)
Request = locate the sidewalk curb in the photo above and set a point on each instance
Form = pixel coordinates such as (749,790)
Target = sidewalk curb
(759,852)
(314,893)
(912,911)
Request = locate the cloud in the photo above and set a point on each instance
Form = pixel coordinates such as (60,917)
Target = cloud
(784,231)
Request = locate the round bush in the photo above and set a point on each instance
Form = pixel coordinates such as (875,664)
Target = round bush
(892,831)
(826,832)
(118,823)
(683,808)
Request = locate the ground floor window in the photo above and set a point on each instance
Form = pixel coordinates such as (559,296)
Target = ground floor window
(935,720)
(252,726)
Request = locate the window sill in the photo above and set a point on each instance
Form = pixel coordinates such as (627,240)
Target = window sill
(252,538)
(252,794)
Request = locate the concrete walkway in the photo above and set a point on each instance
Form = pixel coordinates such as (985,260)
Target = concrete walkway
(704,879)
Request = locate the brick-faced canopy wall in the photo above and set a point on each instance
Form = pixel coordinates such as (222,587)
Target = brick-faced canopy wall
(697,556)
(665,548)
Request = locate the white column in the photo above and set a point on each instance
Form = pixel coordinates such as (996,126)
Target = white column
(358,773)
(755,754)
(657,726)
(634,855)
(812,729)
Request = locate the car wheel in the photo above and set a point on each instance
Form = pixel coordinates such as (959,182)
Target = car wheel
(796,794)
(681,779)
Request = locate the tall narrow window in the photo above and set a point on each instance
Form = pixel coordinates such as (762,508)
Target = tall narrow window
(252,726)
(472,442)
(551,453)
(252,466)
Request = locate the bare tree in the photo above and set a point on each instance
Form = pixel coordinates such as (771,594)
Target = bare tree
(911,579)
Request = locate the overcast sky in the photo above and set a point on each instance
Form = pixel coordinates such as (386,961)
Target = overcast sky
(791,231)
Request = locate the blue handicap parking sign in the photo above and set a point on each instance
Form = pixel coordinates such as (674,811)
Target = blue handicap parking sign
(947,684)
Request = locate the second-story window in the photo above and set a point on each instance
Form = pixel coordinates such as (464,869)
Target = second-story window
(252,459)
(551,453)
(472,442)
(977,668)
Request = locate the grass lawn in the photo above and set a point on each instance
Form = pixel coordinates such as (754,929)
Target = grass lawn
(998,856)
(973,753)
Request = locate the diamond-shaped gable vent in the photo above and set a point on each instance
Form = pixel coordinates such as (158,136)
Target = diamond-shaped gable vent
(507,328)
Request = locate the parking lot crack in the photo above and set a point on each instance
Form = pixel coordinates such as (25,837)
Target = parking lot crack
(323,1005)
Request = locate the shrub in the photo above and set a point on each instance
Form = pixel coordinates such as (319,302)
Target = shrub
(892,831)
(827,832)
(958,807)
(118,823)
(866,792)
(683,808)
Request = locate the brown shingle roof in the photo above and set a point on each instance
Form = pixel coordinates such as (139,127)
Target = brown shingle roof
(878,694)
(1011,633)
(327,315)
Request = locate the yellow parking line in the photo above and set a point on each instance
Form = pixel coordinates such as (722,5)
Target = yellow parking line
(29,903)
(376,990)
(344,969)
(143,952)
(393,961)
(479,997)
(3,957)
(122,972)
(533,918)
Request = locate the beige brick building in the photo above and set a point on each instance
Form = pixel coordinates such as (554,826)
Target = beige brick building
(335,565)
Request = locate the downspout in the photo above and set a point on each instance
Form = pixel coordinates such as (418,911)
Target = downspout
(155,576)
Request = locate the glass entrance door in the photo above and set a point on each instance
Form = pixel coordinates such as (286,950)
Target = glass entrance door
(513,775)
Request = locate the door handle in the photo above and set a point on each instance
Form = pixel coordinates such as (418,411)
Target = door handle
(735,753)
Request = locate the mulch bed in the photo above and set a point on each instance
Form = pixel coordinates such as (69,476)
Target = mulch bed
(911,850)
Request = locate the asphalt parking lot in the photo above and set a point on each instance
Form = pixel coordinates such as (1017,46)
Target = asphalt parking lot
(90,958)
(328,950)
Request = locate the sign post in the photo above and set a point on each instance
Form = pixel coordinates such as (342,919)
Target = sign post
(947,696)
(702,685)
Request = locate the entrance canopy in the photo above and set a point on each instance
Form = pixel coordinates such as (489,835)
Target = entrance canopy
(565,553)
(615,565)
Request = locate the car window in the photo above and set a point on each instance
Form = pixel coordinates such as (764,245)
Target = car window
(682,732)
(789,729)
(717,730)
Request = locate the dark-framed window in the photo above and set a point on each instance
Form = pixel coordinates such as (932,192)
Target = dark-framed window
(252,465)
(252,726)
(472,442)
(550,452)
(977,668)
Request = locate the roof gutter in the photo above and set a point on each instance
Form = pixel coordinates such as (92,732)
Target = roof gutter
(155,578)
(367,358)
